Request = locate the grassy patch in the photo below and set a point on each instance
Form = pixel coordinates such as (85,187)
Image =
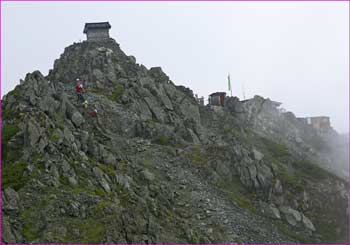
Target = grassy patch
(8,131)
(30,227)
(99,192)
(307,168)
(54,136)
(304,170)
(117,93)
(277,150)
(90,231)
(96,91)
(9,114)
(101,206)
(15,93)
(162,140)
(106,169)
(64,180)
(238,194)
(29,232)
(291,180)
(12,176)
(198,157)
(59,120)
(285,229)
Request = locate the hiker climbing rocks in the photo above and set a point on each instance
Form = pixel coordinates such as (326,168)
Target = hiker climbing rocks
(85,104)
(80,81)
(79,91)
(93,113)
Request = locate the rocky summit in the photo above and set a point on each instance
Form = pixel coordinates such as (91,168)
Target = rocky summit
(142,161)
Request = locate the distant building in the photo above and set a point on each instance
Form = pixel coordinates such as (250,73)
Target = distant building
(322,124)
(97,31)
(217,99)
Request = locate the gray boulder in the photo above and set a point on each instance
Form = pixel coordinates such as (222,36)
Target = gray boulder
(257,155)
(77,118)
(148,175)
(275,212)
(292,216)
(123,180)
(307,223)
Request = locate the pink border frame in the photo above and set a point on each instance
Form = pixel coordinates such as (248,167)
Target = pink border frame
(1,21)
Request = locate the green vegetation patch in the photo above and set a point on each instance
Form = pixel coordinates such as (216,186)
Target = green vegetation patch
(277,150)
(9,114)
(55,136)
(90,231)
(285,229)
(238,194)
(162,140)
(29,232)
(9,154)
(109,170)
(15,93)
(197,156)
(8,131)
(12,175)
(306,168)
(101,206)
(117,93)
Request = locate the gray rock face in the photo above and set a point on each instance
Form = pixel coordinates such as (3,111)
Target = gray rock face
(11,199)
(34,132)
(153,166)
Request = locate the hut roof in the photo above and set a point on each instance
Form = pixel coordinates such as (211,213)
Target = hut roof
(96,25)
(217,94)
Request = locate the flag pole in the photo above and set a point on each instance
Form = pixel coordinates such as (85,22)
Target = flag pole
(229,83)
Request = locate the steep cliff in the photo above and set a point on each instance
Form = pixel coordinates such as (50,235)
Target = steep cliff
(153,166)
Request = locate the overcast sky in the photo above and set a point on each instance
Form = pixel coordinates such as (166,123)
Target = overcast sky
(293,52)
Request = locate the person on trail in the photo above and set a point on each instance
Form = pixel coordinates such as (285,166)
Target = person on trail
(79,91)
(93,113)
(85,104)
(79,81)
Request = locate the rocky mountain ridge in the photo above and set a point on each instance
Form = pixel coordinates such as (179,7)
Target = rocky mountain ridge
(156,167)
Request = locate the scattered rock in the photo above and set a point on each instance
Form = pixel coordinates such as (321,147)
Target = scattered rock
(292,216)
(148,175)
(307,223)
(11,199)
(257,155)
(77,119)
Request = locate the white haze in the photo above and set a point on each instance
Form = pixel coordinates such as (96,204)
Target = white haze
(293,52)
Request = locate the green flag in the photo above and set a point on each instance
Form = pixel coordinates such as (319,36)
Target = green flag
(229,82)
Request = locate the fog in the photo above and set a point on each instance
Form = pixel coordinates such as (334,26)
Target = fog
(293,52)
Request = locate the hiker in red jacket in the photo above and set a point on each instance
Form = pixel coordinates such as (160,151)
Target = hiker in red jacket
(79,91)
(93,113)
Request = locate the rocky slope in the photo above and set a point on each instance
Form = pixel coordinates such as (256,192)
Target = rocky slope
(154,166)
